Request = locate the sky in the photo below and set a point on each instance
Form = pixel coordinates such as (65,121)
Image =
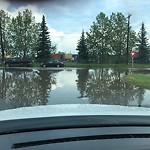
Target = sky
(67,18)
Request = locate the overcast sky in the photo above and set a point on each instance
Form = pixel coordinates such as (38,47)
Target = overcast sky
(67,18)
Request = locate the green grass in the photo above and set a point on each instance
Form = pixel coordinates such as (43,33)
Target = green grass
(138,80)
(122,66)
(78,65)
(36,64)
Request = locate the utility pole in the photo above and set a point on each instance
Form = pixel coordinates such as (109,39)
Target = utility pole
(128,33)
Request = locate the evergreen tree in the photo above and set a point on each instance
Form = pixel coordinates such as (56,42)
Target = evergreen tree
(82,49)
(143,55)
(82,81)
(44,42)
(53,49)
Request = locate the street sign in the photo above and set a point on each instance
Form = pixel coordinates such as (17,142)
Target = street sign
(132,53)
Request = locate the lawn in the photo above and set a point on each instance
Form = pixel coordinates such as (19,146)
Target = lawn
(141,80)
(121,66)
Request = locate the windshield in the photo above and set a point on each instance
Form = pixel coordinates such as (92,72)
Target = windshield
(84,52)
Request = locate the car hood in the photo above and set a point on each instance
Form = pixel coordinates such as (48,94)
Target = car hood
(71,110)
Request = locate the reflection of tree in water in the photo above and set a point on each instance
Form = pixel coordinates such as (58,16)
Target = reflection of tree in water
(82,80)
(105,86)
(140,96)
(2,84)
(44,83)
(28,88)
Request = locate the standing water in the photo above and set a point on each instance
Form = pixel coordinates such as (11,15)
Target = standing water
(34,87)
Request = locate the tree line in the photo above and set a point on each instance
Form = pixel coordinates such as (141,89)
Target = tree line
(106,42)
(23,37)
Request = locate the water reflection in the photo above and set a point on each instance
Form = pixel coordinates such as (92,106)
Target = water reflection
(82,76)
(21,88)
(105,86)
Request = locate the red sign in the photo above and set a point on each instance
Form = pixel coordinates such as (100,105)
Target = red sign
(132,53)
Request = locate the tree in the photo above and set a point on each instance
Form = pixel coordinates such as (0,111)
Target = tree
(31,29)
(82,49)
(44,42)
(98,39)
(53,49)
(119,32)
(107,38)
(143,54)
(4,40)
(24,35)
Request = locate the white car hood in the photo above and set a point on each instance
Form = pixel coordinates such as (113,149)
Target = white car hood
(71,110)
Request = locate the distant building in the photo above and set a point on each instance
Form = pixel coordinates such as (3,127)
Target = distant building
(68,56)
(62,57)
(56,56)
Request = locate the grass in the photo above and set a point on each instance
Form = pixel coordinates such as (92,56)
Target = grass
(138,80)
(78,65)
(121,66)
(35,64)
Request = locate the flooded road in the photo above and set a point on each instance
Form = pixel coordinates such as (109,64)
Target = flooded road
(34,87)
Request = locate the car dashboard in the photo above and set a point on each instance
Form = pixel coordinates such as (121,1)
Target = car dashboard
(76,132)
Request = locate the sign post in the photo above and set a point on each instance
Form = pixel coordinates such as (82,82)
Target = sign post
(132,54)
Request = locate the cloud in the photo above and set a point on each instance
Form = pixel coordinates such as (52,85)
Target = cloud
(66,77)
(4,4)
(56,38)
(68,43)
(54,33)
(35,11)
(64,42)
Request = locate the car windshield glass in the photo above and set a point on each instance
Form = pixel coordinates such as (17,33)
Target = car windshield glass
(74,55)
